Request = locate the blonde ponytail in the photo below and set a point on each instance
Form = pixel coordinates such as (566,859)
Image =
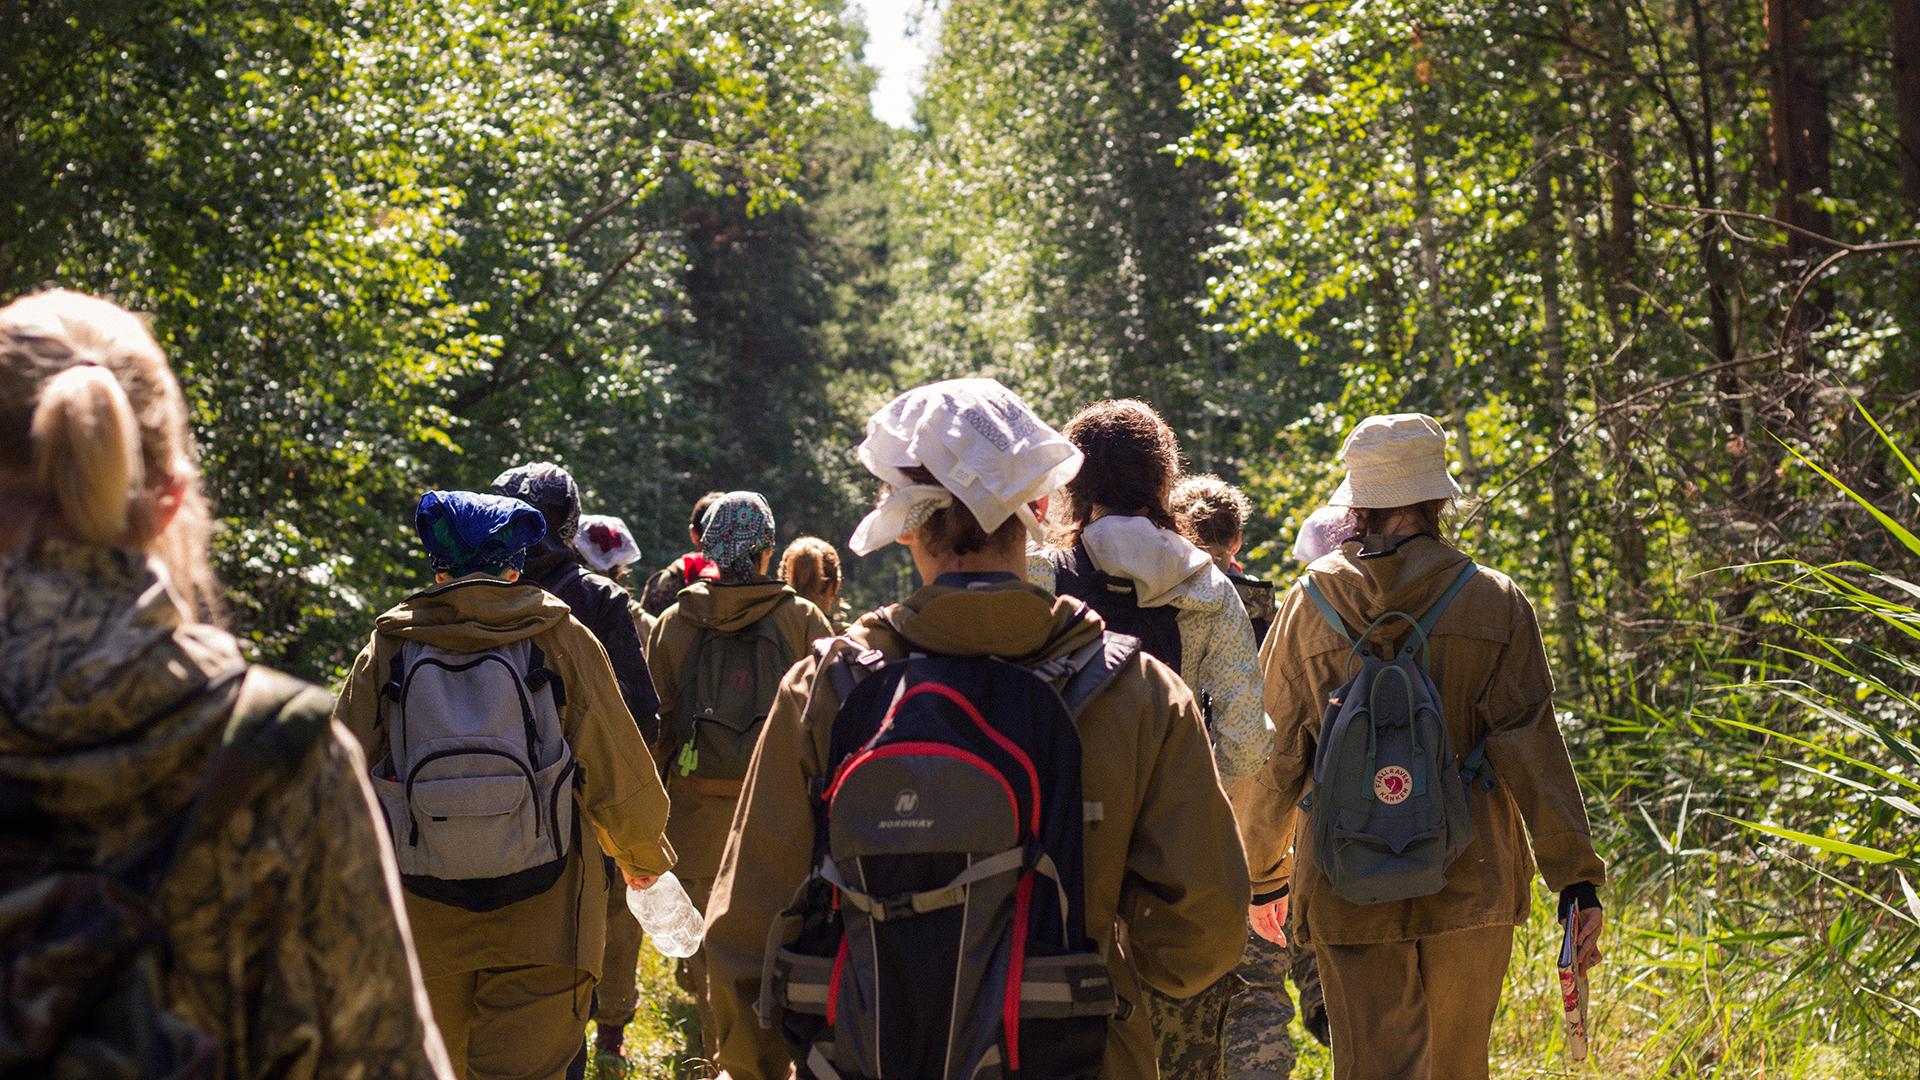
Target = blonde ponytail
(94,439)
(86,451)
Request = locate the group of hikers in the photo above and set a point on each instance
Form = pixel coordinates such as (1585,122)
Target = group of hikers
(1079,806)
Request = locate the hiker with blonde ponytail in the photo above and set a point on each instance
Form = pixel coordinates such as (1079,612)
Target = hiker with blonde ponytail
(142,759)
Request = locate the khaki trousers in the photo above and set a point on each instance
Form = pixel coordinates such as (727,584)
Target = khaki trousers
(691,973)
(1415,1010)
(518,1023)
(617,997)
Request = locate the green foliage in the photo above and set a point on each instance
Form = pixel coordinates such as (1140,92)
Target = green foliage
(392,245)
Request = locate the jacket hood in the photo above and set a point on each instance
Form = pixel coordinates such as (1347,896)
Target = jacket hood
(1164,566)
(548,559)
(105,709)
(730,607)
(1407,580)
(473,613)
(1011,618)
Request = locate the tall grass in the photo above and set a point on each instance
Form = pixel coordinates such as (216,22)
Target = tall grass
(1764,837)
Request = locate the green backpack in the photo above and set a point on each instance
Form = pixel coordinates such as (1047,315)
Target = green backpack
(726,691)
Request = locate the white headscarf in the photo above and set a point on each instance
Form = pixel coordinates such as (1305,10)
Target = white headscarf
(605,542)
(983,444)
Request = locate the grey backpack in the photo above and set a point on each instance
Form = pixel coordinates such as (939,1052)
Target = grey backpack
(1389,809)
(477,782)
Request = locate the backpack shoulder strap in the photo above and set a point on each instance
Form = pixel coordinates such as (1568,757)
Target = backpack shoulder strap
(276,721)
(539,675)
(1327,610)
(846,663)
(1431,618)
(1093,666)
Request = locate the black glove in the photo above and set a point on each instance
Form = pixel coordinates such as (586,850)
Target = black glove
(1583,892)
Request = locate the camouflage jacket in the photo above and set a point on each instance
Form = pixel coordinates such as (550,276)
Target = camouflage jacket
(286,940)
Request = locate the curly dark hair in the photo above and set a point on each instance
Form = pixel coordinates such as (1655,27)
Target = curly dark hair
(1133,458)
(1212,512)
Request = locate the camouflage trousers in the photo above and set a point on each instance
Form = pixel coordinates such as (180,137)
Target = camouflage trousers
(1258,1046)
(1189,1034)
(1236,1028)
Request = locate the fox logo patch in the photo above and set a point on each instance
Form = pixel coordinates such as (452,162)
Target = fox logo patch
(1392,785)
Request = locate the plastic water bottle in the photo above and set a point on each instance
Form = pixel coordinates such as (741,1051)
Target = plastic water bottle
(671,921)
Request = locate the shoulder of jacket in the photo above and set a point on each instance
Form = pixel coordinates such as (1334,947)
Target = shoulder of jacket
(1299,621)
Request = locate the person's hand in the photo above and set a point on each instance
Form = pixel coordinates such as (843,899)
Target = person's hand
(1270,921)
(1587,924)
(641,882)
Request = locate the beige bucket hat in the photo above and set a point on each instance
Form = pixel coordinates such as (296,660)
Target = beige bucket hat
(1393,461)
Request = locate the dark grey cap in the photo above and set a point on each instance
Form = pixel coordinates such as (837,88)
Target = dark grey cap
(548,487)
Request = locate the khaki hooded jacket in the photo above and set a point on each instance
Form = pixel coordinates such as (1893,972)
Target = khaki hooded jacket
(619,793)
(1164,866)
(283,927)
(1491,670)
(700,821)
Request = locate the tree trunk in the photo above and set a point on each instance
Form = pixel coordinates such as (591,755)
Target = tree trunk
(1800,135)
(1570,635)
(1906,93)
(1446,365)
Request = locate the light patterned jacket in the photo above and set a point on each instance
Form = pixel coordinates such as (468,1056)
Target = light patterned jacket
(1218,655)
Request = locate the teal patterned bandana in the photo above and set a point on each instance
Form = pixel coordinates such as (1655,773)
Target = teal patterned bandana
(738,527)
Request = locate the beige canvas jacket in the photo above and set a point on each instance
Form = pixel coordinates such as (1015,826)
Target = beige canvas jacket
(1165,862)
(620,796)
(1491,669)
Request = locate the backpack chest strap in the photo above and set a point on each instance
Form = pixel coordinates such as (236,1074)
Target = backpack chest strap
(954,893)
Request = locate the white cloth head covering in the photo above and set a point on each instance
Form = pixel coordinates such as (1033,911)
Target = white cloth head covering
(1394,461)
(605,542)
(983,444)
(1323,531)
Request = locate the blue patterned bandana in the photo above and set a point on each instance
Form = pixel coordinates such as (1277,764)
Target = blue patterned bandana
(738,528)
(465,532)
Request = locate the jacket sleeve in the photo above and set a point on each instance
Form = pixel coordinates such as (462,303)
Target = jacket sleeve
(614,627)
(349,998)
(664,668)
(620,793)
(762,869)
(358,707)
(1226,668)
(1185,894)
(1530,760)
(1268,811)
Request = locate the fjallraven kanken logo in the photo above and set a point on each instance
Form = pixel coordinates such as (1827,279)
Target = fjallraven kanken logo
(1392,785)
(1389,810)
(942,932)
(477,783)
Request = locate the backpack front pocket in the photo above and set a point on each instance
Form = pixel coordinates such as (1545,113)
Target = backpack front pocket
(1385,864)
